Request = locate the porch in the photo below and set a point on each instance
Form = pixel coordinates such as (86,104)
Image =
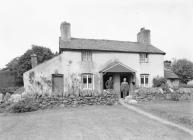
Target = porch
(118,71)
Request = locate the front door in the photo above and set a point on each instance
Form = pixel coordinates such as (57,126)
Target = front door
(57,84)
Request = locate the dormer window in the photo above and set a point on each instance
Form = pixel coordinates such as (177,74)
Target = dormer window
(86,56)
(144,58)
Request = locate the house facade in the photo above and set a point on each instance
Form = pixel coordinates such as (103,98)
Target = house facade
(86,64)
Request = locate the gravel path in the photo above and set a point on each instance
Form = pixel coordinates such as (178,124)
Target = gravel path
(86,123)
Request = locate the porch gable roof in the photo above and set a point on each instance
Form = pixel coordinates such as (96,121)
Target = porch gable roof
(117,67)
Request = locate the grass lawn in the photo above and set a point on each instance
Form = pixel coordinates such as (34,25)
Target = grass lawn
(180,112)
(86,123)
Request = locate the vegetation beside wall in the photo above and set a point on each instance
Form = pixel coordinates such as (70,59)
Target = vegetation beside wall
(157,94)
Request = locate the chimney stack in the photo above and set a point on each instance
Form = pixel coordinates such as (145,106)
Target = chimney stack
(65,31)
(167,64)
(34,60)
(144,36)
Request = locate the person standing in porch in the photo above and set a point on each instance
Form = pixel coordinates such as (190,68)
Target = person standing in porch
(109,83)
(124,88)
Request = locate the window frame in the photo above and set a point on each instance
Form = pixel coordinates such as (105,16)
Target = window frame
(144,57)
(86,56)
(145,78)
(88,75)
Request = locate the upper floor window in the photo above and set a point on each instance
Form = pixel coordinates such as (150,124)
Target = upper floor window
(144,58)
(144,80)
(87,81)
(86,56)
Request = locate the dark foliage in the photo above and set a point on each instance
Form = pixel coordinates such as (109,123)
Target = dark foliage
(26,105)
(23,63)
(159,81)
(184,69)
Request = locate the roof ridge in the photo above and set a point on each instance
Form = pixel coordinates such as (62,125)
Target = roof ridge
(106,40)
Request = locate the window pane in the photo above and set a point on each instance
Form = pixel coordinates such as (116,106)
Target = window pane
(86,56)
(84,79)
(83,56)
(144,57)
(146,80)
(89,79)
(142,80)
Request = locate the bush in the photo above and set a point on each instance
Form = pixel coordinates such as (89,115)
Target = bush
(26,105)
(185,93)
(159,81)
(148,94)
(181,85)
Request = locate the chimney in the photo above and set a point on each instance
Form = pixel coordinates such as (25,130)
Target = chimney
(167,64)
(144,36)
(65,31)
(34,61)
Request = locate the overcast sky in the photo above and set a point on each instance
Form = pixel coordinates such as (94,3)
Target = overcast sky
(26,22)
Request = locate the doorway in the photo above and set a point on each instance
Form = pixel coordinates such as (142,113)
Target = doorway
(57,84)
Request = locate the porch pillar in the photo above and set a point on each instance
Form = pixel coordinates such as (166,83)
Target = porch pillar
(101,82)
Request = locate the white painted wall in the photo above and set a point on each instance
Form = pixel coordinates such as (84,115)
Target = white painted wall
(69,63)
(154,67)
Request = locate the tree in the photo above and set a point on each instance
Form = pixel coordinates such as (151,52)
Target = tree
(24,62)
(12,64)
(184,69)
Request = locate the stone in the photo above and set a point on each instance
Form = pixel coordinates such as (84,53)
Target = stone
(15,98)
(128,97)
(1,97)
(132,101)
(7,96)
(171,90)
(62,105)
(24,94)
(161,90)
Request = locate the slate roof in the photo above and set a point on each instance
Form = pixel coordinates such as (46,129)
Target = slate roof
(169,74)
(117,67)
(108,45)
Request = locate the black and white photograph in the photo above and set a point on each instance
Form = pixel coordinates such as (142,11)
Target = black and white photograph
(96,70)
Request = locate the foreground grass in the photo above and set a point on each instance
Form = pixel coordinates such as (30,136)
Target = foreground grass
(86,123)
(180,112)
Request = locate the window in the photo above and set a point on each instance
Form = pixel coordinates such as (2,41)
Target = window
(86,56)
(144,80)
(144,58)
(87,81)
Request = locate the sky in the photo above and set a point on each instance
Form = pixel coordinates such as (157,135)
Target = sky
(27,22)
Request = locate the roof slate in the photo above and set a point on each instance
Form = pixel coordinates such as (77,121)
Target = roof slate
(108,45)
(170,74)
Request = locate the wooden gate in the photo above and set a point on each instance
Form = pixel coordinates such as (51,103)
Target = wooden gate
(57,84)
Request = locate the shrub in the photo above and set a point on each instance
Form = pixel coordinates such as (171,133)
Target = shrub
(185,93)
(26,105)
(159,82)
(148,94)
(181,85)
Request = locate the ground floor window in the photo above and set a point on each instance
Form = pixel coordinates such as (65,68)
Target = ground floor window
(87,81)
(144,80)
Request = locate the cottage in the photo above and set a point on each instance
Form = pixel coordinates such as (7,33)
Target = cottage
(86,64)
(172,78)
